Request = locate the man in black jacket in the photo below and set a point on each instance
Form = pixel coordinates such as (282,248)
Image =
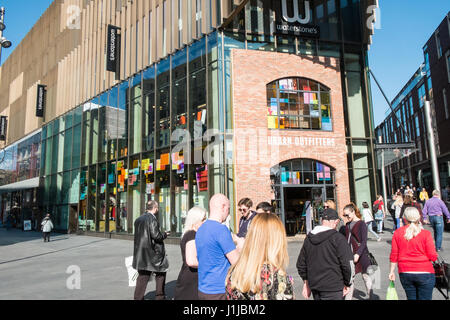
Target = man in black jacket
(325,262)
(149,252)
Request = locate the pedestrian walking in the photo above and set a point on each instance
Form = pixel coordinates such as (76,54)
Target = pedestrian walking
(216,250)
(325,262)
(423,196)
(379,212)
(433,212)
(413,252)
(369,220)
(244,207)
(264,207)
(149,252)
(397,207)
(187,282)
(46,227)
(260,272)
(356,234)
(407,203)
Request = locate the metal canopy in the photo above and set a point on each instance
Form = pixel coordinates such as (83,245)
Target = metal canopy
(393,152)
(22,185)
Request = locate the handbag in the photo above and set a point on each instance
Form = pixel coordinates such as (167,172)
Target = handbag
(442,274)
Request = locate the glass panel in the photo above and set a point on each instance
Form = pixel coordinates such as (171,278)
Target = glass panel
(101,192)
(82,225)
(163,188)
(134,192)
(122,187)
(163,103)
(112,196)
(122,125)
(355,103)
(149,110)
(148,176)
(92,202)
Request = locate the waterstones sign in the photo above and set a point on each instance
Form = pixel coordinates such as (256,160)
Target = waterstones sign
(294,17)
(113,49)
(40,103)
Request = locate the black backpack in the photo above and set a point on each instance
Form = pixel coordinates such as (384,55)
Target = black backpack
(375,207)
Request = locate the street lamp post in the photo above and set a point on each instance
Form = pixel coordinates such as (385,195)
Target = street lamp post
(4,43)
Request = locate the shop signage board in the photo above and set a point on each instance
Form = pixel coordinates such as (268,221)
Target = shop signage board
(293,17)
(301,141)
(113,49)
(40,101)
(3,127)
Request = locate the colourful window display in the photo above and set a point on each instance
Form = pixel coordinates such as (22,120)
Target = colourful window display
(298,103)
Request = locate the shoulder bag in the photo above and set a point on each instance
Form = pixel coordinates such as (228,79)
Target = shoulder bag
(442,274)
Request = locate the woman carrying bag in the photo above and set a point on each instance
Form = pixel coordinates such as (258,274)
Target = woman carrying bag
(413,251)
(356,234)
(368,219)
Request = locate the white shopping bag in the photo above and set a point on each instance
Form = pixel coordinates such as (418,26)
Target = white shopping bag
(132,273)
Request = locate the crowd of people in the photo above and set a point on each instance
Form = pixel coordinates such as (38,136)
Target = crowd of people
(251,264)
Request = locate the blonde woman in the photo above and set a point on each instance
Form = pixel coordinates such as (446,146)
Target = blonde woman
(397,207)
(260,272)
(187,282)
(413,251)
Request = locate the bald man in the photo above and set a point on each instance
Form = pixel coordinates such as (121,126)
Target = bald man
(216,250)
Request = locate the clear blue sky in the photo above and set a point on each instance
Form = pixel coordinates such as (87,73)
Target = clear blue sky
(396,52)
(394,56)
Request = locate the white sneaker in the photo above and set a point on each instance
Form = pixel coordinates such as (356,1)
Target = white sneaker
(379,239)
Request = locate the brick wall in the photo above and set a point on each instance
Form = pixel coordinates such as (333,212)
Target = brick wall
(251,71)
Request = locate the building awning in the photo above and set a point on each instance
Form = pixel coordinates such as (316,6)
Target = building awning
(22,185)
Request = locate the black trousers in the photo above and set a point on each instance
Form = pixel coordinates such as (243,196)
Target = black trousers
(47,236)
(322,295)
(142,281)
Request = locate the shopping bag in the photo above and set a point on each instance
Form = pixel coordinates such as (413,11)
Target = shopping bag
(132,273)
(391,292)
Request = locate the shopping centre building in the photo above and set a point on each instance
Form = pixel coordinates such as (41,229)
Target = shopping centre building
(177,100)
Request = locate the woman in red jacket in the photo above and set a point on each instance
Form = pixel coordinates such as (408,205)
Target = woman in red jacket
(413,251)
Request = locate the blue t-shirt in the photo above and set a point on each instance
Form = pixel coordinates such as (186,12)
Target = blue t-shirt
(213,241)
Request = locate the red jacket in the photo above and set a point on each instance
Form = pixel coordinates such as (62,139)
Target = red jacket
(415,255)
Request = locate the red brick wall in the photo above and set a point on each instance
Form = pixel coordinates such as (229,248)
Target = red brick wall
(251,71)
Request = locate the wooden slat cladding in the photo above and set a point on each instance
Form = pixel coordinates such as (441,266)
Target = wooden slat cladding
(66,51)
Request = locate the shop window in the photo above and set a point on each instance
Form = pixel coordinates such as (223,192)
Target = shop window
(298,103)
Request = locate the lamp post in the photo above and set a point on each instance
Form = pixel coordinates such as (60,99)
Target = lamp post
(4,43)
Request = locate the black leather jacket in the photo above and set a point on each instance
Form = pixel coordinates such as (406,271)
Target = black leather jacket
(149,250)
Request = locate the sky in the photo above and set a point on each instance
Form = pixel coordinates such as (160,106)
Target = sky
(395,54)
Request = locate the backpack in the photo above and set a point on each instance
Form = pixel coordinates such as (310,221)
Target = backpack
(375,207)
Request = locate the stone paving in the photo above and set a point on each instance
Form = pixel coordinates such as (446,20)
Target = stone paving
(33,270)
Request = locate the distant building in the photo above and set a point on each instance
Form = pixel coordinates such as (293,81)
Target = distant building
(430,82)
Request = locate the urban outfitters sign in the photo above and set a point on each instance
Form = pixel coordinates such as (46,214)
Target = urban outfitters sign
(113,49)
(294,17)
(301,141)
(40,102)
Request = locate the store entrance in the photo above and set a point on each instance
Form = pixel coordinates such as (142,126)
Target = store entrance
(299,204)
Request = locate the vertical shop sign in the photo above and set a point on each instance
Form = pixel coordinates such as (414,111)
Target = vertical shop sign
(113,49)
(40,101)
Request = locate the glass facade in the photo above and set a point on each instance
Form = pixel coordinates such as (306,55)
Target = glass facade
(148,136)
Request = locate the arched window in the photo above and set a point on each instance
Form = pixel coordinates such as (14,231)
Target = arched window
(298,103)
(302,172)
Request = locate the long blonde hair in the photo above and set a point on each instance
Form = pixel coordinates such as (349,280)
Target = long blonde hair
(266,243)
(415,227)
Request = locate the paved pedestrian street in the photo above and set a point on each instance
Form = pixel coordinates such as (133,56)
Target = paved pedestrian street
(33,270)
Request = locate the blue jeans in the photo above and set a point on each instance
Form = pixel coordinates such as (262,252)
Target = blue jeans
(379,225)
(437,222)
(418,286)
(396,223)
(369,227)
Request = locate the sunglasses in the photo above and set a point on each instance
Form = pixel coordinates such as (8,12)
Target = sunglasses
(345,215)
(242,210)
